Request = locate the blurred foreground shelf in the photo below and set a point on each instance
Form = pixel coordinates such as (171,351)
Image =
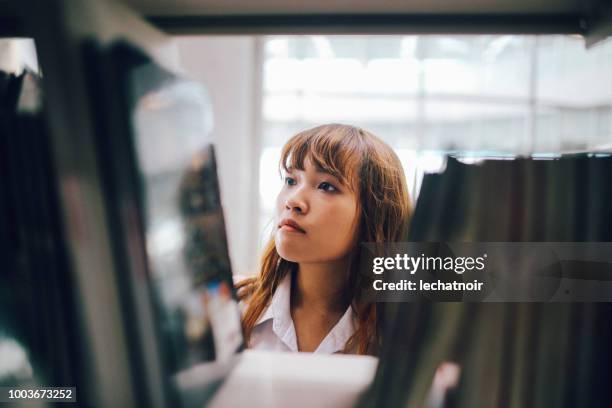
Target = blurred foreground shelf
(273,379)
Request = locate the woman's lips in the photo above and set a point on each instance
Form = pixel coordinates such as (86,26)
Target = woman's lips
(289,228)
(289,225)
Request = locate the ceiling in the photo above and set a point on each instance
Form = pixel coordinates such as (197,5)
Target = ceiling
(218,7)
(592,18)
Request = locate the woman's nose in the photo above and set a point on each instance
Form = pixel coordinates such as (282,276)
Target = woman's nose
(296,202)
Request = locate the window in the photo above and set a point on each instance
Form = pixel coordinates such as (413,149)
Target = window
(481,95)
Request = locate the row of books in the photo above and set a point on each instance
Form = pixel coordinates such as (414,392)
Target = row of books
(36,294)
(534,354)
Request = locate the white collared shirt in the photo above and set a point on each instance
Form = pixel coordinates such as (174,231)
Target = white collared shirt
(275,330)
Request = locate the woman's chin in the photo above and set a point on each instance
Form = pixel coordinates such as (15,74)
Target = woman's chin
(288,254)
(288,250)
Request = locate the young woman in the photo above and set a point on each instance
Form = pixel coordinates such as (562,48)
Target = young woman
(342,186)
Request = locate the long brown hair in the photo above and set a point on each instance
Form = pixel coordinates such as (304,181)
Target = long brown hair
(372,170)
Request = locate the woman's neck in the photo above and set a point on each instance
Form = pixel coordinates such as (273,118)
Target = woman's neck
(321,286)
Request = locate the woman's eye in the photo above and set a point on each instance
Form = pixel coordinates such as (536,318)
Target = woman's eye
(327,187)
(290,181)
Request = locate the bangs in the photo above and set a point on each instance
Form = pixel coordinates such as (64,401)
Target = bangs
(334,149)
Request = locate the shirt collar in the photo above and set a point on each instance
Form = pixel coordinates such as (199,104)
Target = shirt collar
(279,311)
(336,339)
(280,300)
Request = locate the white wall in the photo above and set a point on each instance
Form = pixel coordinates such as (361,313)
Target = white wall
(227,67)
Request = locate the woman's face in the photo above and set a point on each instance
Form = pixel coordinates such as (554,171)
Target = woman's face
(316,217)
